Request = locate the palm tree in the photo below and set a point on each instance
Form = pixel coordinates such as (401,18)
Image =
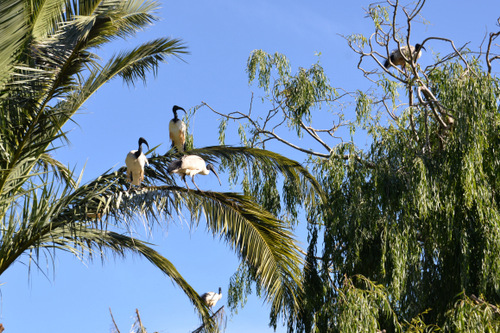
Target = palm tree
(48,70)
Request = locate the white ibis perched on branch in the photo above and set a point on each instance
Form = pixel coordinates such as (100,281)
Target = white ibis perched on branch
(397,59)
(191,165)
(135,162)
(211,298)
(177,130)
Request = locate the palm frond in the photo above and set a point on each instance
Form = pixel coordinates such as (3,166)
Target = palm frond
(146,58)
(128,17)
(131,66)
(60,170)
(44,16)
(47,221)
(261,240)
(14,32)
(236,159)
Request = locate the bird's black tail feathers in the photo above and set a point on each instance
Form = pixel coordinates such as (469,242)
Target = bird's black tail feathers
(174,165)
(387,63)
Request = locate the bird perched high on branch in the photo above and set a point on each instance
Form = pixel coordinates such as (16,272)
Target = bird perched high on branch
(397,57)
(177,130)
(211,298)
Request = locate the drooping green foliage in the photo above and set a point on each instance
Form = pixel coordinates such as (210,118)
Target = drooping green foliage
(411,229)
(424,220)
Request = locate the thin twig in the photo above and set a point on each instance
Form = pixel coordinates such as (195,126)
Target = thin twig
(114,323)
(139,321)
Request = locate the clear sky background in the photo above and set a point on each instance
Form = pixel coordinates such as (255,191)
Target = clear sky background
(74,296)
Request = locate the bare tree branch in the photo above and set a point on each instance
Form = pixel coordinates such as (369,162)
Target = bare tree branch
(493,36)
(117,330)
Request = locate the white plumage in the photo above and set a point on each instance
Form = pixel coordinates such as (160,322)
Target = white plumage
(211,298)
(397,58)
(191,165)
(135,162)
(177,130)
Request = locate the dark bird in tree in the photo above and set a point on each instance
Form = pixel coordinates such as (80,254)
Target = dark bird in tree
(177,130)
(191,165)
(211,298)
(397,58)
(135,162)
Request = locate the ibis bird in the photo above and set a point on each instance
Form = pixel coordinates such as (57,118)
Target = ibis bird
(211,298)
(135,162)
(397,59)
(191,165)
(177,130)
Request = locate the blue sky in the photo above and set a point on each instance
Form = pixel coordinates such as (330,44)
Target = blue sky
(75,296)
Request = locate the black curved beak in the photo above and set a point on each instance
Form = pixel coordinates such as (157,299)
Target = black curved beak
(211,168)
(176,107)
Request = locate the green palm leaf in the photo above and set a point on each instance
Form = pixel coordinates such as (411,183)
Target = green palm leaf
(14,33)
(44,16)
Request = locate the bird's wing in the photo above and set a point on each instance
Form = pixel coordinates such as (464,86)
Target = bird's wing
(174,165)
(143,160)
(193,161)
(129,162)
(205,297)
(208,295)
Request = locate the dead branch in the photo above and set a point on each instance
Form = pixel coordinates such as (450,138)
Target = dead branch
(457,51)
(218,315)
(117,330)
(139,321)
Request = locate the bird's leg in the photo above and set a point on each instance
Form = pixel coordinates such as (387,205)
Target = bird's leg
(192,179)
(185,182)
(131,178)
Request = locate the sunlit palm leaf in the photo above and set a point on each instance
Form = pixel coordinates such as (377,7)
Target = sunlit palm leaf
(44,16)
(46,161)
(14,33)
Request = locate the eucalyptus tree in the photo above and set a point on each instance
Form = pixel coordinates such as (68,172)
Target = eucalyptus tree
(49,68)
(410,237)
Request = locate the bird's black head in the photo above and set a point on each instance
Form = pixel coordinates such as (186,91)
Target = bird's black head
(141,141)
(175,109)
(419,46)
(220,290)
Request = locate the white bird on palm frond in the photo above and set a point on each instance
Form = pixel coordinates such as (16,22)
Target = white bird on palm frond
(211,298)
(135,162)
(191,165)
